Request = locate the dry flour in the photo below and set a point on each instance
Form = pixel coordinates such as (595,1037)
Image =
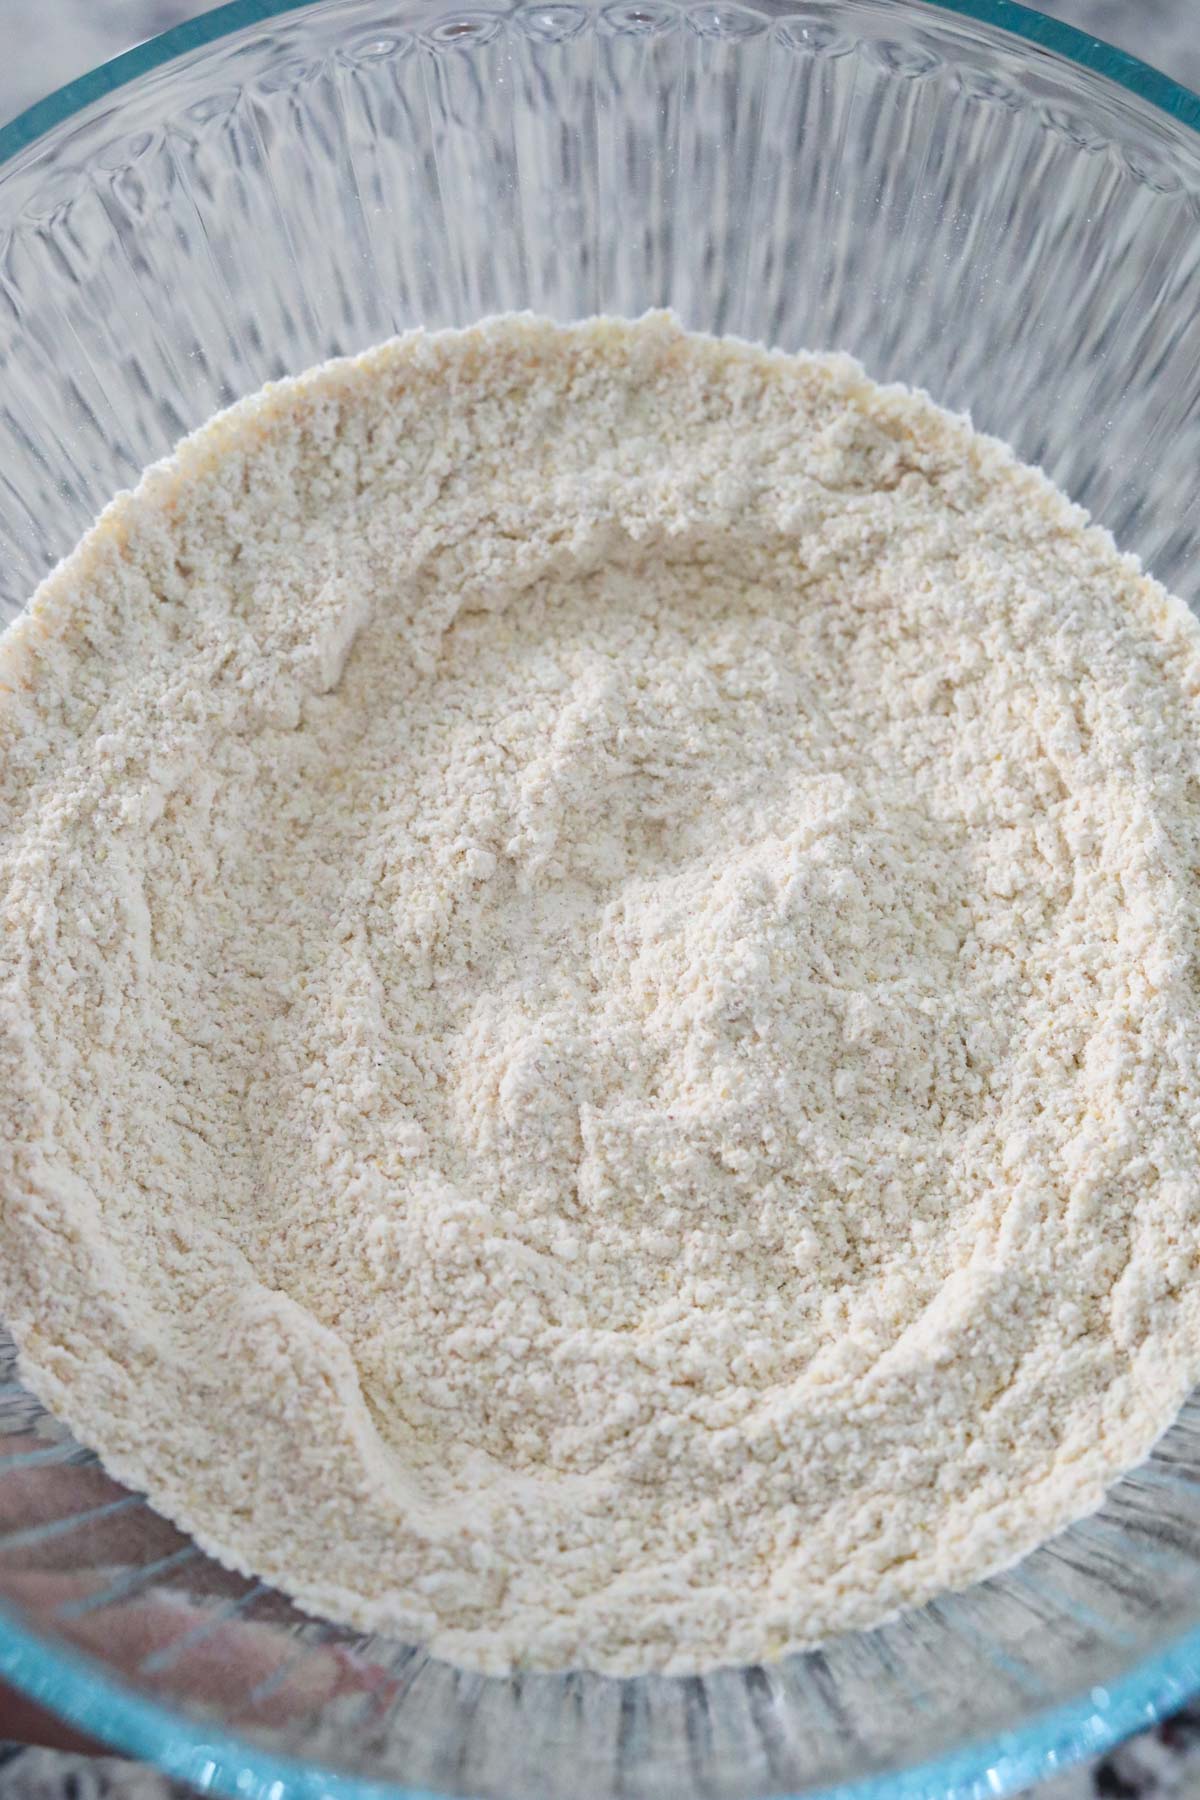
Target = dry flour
(600,1046)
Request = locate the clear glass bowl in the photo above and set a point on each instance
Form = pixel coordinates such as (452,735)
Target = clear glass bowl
(972,198)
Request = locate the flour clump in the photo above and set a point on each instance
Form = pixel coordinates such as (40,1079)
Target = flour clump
(599,1049)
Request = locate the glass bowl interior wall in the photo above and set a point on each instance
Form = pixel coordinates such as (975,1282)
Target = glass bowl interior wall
(957,206)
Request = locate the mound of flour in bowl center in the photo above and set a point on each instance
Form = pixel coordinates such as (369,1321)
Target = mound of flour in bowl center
(600,1048)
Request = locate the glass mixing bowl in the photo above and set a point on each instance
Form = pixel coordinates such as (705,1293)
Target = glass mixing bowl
(969,197)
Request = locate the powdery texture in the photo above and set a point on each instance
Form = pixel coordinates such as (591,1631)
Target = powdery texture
(601,1060)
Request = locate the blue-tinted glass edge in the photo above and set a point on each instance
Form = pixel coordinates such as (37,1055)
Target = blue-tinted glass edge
(1007,15)
(187,1749)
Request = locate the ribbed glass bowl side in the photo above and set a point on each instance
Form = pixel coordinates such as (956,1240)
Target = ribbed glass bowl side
(111,1616)
(959,208)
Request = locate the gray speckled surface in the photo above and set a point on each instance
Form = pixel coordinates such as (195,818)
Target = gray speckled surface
(59,40)
(1163,32)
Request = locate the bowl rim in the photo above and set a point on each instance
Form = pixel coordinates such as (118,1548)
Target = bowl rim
(1092,53)
(76,1686)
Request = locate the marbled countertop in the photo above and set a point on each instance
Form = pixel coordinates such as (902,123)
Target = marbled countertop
(59,40)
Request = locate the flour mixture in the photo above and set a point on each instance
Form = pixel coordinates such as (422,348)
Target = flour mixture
(600,1045)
